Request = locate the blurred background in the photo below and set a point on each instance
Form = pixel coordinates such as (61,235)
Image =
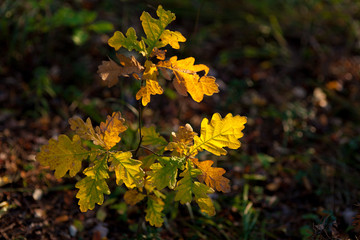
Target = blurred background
(291,67)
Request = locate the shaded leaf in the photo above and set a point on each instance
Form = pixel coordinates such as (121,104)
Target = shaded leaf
(129,42)
(63,155)
(184,135)
(93,187)
(151,137)
(85,130)
(219,133)
(212,176)
(110,71)
(127,170)
(132,197)
(154,210)
(187,80)
(202,199)
(164,174)
(186,188)
(182,140)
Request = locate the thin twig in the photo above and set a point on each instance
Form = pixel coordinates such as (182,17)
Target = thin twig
(141,146)
(140,124)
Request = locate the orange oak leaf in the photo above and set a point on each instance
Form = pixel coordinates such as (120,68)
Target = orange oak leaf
(188,81)
(212,176)
(109,71)
(111,129)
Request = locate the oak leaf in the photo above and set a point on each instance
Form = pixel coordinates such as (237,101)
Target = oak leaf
(63,155)
(159,54)
(152,86)
(93,187)
(151,137)
(85,130)
(132,197)
(110,71)
(186,187)
(111,129)
(164,174)
(219,133)
(154,210)
(182,140)
(187,80)
(156,34)
(212,176)
(127,170)
(129,42)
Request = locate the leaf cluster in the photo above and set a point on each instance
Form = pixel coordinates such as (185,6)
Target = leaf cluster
(171,164)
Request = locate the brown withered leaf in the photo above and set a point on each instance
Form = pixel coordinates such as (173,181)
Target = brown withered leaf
(109,71)
(159,54)
(212,176)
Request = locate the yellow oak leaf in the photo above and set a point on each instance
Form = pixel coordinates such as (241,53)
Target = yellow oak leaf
(187,80)
(63,155)
(150,72)
(127,170)
(212,176)
(219,133)
(172,38)
(154,210)
(132,197)
(111,129)
(110,71)
(151,87)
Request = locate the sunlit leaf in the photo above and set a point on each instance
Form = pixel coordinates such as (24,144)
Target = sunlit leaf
(127,170)
(156,34)
(152,86)
(212,176)
(111,129)
(187,80)
(219,133)
(63,155)
(154,210)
